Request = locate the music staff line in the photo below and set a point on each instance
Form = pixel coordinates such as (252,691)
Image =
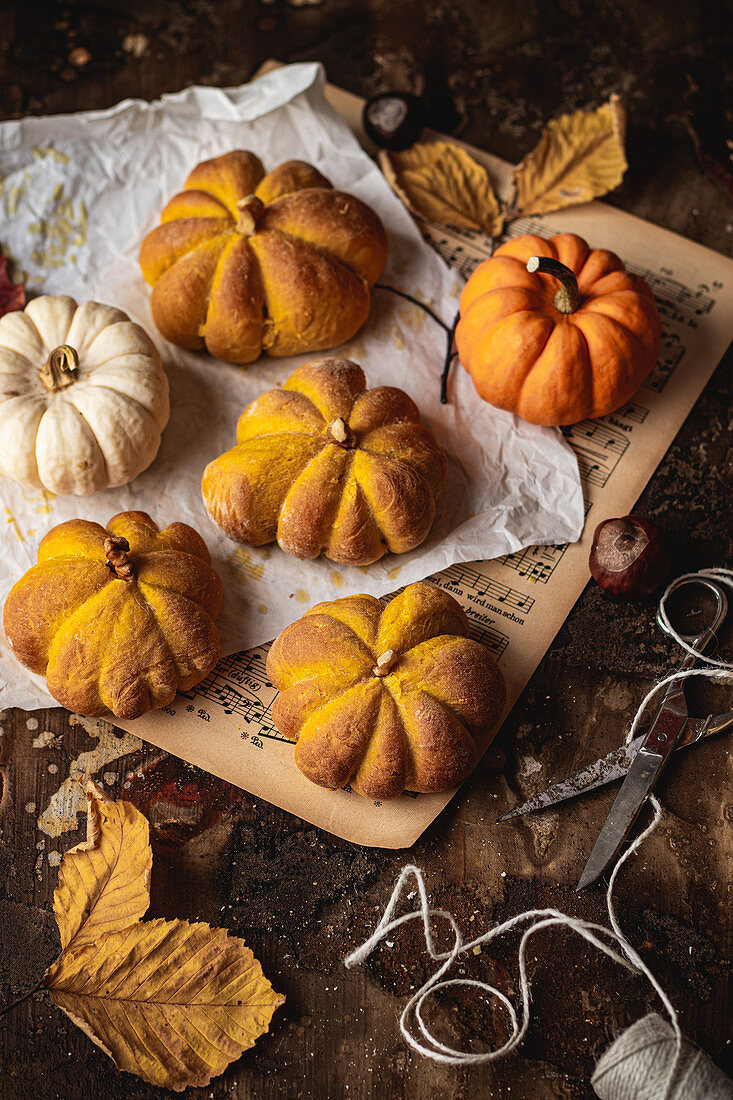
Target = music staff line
(637,414)
(462,576)
(489,636)
(536,563)
(598,448)
(248,665)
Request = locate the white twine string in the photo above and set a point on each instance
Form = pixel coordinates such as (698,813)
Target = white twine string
(722,576)
(412,1020)
(723,670)
(598,935)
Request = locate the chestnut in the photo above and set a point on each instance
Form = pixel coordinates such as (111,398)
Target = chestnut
(394,120)
(628,557)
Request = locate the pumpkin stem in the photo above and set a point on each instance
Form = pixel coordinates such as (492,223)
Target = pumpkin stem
(340,433)
(60,368)
(568,297)
(384,663)
(116,548)
(250,211)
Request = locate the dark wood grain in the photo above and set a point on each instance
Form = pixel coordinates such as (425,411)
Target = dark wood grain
(300,898)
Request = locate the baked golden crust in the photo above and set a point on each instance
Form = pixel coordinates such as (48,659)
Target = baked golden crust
(245,262)
(108,643)
(385,699)
(326,466)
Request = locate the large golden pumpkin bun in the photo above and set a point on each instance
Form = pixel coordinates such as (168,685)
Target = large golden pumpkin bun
(326,466)
(246,262)
(117,618)
(386,699)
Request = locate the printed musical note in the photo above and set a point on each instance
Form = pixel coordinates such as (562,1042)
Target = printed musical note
(599,447)
(462,578)
(668,290)
(489,636)
(463,252)
(670,357)
(536,563)
(239,685)
(632,412)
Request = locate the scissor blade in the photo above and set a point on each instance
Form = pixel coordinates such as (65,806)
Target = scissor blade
(641,777)
(614,766)
(606,770)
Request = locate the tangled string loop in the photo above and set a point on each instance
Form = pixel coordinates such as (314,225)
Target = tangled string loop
(608,940)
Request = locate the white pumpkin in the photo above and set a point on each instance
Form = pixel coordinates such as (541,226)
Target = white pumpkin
(83,396)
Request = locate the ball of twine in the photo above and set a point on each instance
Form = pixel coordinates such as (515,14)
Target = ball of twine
(637,1067)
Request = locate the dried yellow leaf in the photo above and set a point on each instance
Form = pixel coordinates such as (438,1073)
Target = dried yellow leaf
(579,157)
(441,182)
(173,1002)
(104,882)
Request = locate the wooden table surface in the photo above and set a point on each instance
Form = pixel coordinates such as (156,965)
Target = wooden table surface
(301,899)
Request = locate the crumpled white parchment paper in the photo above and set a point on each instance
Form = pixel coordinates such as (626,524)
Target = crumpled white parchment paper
(78,194)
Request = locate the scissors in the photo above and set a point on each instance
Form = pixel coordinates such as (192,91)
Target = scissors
(643,759)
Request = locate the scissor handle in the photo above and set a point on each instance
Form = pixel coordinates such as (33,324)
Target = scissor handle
(721,608)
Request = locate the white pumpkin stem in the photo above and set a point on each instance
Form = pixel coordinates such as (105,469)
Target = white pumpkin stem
(60,368)
(117,548)
(568,297)
(250,210)
(384,663)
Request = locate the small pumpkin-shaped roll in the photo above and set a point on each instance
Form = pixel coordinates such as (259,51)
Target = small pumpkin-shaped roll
(556,331)
(83,396)
(386,699)
(118,619)
(326,466)
(246,262)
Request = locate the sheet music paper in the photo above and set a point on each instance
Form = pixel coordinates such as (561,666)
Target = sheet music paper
(517,603)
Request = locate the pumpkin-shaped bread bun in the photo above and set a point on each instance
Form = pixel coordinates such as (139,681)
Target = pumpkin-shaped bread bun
(117,619)
(326,466)
(386,699)
(556,331)
(245,263)
(83,396)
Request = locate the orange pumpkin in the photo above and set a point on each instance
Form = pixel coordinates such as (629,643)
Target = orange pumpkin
(245,263)
(556,331)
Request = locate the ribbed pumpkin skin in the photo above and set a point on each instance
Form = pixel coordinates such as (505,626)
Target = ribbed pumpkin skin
(290,274)
(108,645)
(548,367)
(412,724)
(289,478)
(98,427)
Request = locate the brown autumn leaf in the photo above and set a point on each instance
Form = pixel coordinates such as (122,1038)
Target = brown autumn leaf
(170,1001)
(579,157)
(441,182)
